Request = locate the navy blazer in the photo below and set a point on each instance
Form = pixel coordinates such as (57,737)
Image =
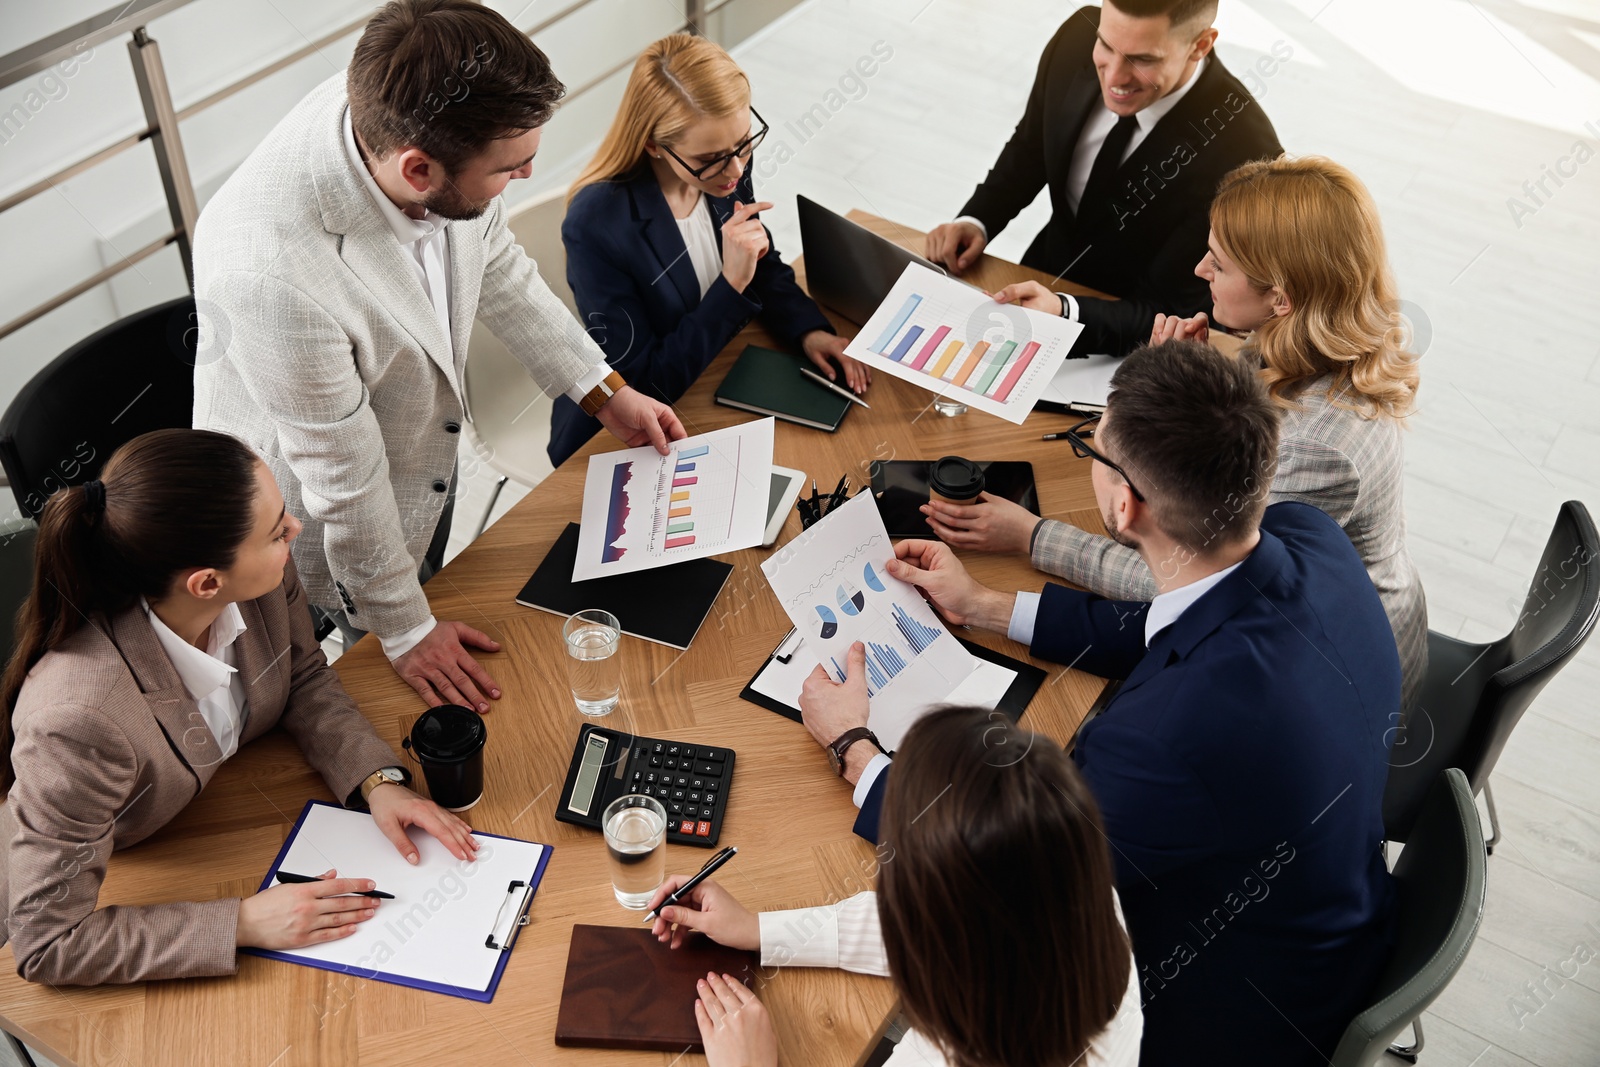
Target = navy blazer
(640,300)
(1240,771)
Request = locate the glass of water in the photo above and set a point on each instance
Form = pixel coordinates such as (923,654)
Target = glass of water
(592,636)
(636,838)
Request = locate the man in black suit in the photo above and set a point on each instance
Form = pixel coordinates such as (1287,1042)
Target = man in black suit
(1132,122)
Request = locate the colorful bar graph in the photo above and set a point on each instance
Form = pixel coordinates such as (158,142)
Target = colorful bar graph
(905,344)
(929,348)
(685,467)
(691,453)
(992,371)
(973,359)
(677,513)
(1012,375)
(898,321)
(680,527)
(676,482)
(676,497)
(939,366)
(679,542)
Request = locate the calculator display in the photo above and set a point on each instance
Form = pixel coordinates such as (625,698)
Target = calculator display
(594,754)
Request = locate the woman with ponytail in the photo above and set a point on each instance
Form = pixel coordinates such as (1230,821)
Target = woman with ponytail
(665,253)
(165,629)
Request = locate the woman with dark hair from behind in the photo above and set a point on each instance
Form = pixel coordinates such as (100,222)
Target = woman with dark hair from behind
(994,915)
(166,627)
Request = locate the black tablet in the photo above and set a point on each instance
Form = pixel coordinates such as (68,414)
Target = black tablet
(904,488)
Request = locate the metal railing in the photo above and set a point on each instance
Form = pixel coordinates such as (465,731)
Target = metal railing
(162,118)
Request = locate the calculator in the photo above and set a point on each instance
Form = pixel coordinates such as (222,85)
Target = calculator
(690,781)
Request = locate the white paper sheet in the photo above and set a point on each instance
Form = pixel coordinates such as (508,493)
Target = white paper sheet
(832,583)
(708,495)
(443,909)
(954,340)
(983,688)
(1082,381)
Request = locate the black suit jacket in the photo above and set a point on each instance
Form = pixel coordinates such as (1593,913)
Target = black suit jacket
(1144,243)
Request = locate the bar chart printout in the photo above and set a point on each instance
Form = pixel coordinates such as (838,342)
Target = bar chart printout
(707,495)
(832,583)
(953,340)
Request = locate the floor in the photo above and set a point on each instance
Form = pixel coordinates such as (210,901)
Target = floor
(1445,108)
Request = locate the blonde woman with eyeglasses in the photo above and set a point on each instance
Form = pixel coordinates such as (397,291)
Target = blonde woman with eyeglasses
(666,252)
(1296,262)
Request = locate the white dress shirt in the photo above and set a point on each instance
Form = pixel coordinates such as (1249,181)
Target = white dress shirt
(848,935)
(1164,611)
(210,676)
(428,242)
(1095,130)
(700,238)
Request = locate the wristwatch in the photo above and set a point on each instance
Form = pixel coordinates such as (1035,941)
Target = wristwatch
(396,775)
(597,397)
(842,743)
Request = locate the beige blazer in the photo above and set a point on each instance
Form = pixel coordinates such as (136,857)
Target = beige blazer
(321,351)
(110,747)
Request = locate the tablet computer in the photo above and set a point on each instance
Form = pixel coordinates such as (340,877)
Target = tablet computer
(780,498)
(901,487)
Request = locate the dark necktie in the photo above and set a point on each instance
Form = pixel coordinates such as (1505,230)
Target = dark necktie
(1103,175)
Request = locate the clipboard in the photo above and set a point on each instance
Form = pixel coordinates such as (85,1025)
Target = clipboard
(452,924)
(1018,695)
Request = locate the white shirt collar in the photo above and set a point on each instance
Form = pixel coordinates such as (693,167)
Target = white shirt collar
(1166,607)
(1148,117)
(406,229)
(202,673)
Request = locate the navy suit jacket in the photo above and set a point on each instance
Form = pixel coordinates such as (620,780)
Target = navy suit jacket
(1240,771)
(639,299)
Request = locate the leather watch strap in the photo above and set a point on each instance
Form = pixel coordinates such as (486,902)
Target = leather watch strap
(842,743)
(596,398)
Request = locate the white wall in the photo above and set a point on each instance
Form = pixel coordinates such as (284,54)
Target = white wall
(64,235)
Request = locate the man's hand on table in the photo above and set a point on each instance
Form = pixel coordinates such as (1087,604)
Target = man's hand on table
(829,708)
(1030,295)
(638,420)
(820,347)
(955,245)
(960,598)
(442,671)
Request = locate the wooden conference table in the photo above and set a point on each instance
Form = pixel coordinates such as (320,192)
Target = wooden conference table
(789,815)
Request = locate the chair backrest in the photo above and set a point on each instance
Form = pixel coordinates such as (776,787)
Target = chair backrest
(510,416)
(133,376)
(1475,694)
(16,575)
(1440,879)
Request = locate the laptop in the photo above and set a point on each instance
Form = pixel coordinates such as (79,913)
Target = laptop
(848,267)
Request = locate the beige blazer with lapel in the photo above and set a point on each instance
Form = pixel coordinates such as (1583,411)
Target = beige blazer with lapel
(110,747)
(320,349)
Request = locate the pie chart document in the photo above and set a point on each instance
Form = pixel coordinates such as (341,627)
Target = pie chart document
(833,584)
(706,496)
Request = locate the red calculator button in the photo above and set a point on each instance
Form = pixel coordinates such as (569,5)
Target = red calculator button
(688,826)
(704,829)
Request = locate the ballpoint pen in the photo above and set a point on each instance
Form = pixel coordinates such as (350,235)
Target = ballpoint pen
(835,386)
(296,879)
(707,871)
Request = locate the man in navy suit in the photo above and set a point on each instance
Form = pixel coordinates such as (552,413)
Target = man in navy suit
(1240,768)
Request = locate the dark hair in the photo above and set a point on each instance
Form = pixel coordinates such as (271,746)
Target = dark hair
(1178,12)
(999,920)
(1198,433)
(448,76)
(166,501)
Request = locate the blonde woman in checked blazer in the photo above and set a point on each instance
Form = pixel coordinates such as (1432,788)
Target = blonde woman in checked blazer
(1296,257)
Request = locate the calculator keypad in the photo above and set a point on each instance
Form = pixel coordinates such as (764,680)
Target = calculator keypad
(688,780)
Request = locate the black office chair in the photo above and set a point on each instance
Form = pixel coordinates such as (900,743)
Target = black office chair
(134,376)
(1441,875)
(1474,694)
(16,575)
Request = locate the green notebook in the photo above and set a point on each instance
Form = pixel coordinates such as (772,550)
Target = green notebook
(768,382)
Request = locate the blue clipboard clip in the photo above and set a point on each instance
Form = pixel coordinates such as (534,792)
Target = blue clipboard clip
(512,916)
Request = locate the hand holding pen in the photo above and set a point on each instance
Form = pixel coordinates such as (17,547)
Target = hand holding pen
(707,908)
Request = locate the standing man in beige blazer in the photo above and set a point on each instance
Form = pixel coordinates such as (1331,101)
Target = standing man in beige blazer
(338,273)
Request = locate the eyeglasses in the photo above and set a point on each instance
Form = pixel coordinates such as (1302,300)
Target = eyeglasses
(744,150)
(1083,450)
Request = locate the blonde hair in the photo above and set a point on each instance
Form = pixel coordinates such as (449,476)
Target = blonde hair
(1309,227)
(676,82)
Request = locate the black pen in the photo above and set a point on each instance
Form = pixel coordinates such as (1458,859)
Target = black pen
(1063,437)
(707,871)
(833,497)
(295,879)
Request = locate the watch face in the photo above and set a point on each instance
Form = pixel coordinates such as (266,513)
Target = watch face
(393,774)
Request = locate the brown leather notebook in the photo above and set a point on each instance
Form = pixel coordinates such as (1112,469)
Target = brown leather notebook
(625,989)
